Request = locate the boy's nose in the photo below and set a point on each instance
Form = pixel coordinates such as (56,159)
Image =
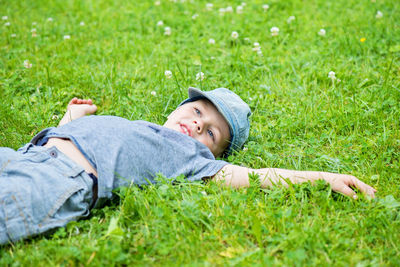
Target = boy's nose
(198,125)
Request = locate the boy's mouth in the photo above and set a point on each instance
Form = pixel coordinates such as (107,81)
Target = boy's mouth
(185,130)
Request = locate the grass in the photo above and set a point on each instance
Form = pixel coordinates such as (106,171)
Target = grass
(301,120)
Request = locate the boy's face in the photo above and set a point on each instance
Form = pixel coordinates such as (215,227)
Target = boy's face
(202,121)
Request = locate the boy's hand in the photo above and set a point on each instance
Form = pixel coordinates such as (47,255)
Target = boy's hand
(344,183)
(81,106)
(78,108)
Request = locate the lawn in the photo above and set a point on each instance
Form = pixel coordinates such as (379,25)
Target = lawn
(322,79)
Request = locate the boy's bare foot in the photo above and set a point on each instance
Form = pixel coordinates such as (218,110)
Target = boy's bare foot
(81,107)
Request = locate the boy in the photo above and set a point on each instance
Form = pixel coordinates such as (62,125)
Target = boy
(65,171)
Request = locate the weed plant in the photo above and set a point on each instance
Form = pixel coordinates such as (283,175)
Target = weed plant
(324,93)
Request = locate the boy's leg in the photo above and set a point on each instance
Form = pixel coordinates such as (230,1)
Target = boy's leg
(40,189)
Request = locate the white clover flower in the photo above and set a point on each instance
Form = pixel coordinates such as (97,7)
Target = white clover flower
(204,193)
(256,48)
(82,23)
(160,23)
(67,37)
(167,31)
(195,16)
(290,19)
(200,76)
(168,74)
(259,52)
(50,19)
(157,3)
(379,14)
(246,148)
(13,35)
(256,44)
(4,17)
(243,4)
(247,39)
(221,11)
(209,6)
(274,31)
(33,30)
(55,117)
(239,9)
(322,32)
(153,93)
(229,9)
(27,64)
(331,75)
(7,24)
(234,35)
(265,7)
(211,41)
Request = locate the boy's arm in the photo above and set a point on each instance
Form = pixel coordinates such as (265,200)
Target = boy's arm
(237,176)
(76,109)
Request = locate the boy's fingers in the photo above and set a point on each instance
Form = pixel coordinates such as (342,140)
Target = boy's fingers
(363,187)
(346,190)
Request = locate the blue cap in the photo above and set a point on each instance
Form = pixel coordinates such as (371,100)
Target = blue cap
(233,109)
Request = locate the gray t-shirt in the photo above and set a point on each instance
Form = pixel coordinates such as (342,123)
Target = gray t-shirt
(124,151)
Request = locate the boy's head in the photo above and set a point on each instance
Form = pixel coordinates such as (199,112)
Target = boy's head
(218,118)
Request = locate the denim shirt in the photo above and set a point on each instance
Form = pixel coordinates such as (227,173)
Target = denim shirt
(125,152)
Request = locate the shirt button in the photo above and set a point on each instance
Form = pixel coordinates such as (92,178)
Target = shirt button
(53,154)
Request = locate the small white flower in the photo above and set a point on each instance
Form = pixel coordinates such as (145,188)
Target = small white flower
(200,76)
(234,35)
(204,193)
(160,23)
(229,9)
(168,74)
(211,41)
(167,31)
(153,93)
(82,23)
(195,16)
(239,9)
(256,49)
(55,117)
(67,37)
(221,11)
(379,14)
(209,6)
(274,31)
(7,24)
(34,23)
(256,44)
(27,64)
(246,148)
(243,4)
(290,19)
(322,32)
(33,30)
(265,7)
(247,39)
(157,3)
(259,52)
(13,35)
(50,19)
(331,75)
(4,17)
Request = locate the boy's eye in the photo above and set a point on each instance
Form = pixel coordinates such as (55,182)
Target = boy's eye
(210,133)
(197,111)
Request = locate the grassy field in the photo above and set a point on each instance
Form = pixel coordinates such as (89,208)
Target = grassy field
(304,117)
